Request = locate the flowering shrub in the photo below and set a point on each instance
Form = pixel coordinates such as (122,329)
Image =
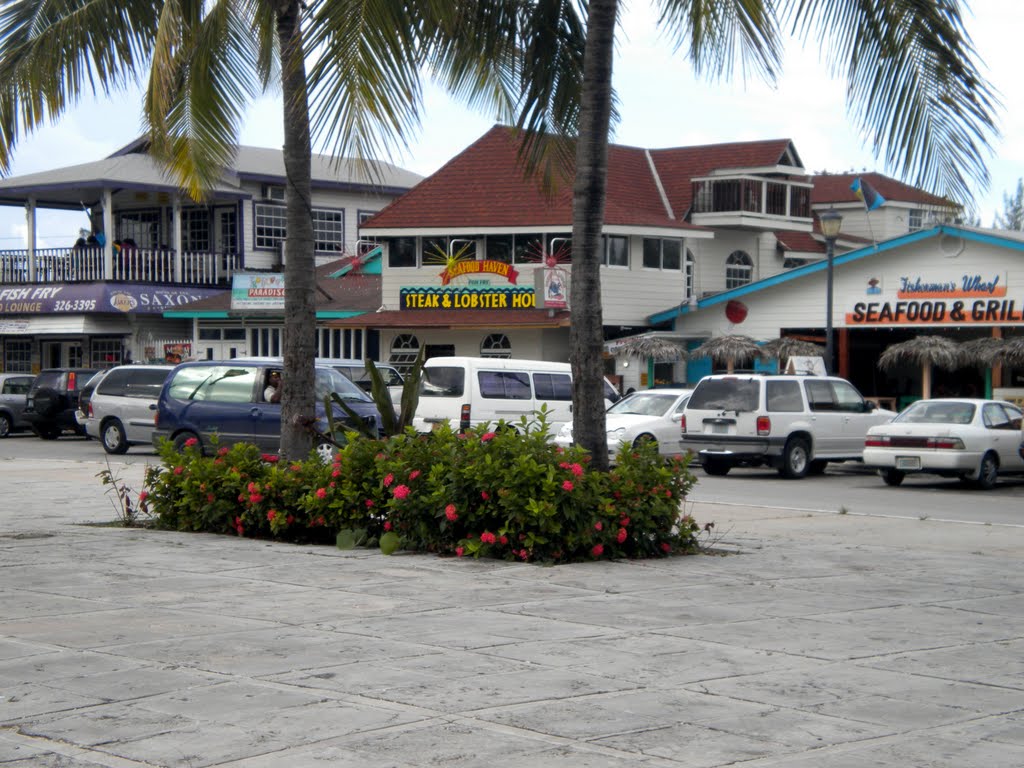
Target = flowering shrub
(507,493)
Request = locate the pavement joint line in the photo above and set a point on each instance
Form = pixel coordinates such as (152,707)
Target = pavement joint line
(851,513)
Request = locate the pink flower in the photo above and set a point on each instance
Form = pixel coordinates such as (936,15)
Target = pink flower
(190,442)
(210,497)
(485,495)
(523,554)
(387,525)
(218,461)
(459,551)
(369,504)
(270,458)
(621,537)
(597,550)
(624,522)
(143,495)
(178,470)
(450,513)
(503,539)
(487,537)
(666,547)
(414,474)
(223,451)
(321,493)
(336,473)
(668,494)
(296,467)
(567,485)
(290,519)
(400,492)
(598,525)
(388,480)
(255,498)
(252,487)
(271,515)
(487,436)
(576,469)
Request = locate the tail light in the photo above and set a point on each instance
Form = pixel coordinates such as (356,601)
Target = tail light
(71,381)
(876,441)
(946,443)
(464,418)
(88,410)
(682,424)
(764,426)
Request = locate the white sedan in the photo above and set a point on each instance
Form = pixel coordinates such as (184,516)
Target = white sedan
(970,439)
(649,415)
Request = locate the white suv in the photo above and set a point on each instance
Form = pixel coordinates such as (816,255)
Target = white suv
(796,424)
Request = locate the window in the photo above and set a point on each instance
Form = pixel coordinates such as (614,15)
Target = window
(504,385)
(133,382)
(616,250)
(847,397)
(265,342)
(270,225)
(662,254)
(499,248)
(689,267)
(820,396)
(739,270)
(404,350)
(365,216)
(18,356)
(552,386)
(496,345)
(530,249)
(443,382)
(402,252)
(106,353)
(328,230)
(16,385)
(216,383)
(996,418)
(783,396)
(195,230)
(345,343)
(915,220)
(560,246)
(141,226)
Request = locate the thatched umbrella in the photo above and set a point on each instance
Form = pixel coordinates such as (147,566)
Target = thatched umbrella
(656,348)
(729,350)
(1012,352)
(986,350)
(786,347)
(926,351)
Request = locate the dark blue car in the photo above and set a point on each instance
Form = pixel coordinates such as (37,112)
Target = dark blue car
(229,399)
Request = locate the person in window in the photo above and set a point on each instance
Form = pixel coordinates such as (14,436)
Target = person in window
(272,394)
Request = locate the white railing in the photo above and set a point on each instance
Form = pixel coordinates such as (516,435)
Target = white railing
(136,265)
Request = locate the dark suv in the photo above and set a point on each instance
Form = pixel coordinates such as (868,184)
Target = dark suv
(53,401)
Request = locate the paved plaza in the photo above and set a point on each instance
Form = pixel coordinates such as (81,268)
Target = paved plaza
(806,640)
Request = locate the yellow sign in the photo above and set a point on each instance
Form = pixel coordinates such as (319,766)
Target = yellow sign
(495,298)
(468,267)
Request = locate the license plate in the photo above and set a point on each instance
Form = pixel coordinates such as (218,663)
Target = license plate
(908,462)
(719,429)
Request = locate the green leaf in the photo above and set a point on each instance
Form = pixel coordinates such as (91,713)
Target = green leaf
(389,543)
(346,539)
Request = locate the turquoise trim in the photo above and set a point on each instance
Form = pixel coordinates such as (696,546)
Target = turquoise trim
(366,258)
(337,314)
(182,313)
(696,368)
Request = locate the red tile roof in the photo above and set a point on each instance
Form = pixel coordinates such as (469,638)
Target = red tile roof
(484,186)
(835,188)
(457,319)
(803,242)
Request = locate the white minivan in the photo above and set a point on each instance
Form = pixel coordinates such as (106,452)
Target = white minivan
(467,391)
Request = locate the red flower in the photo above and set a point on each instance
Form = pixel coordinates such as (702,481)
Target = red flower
(143,495)
(190,442)
(487,537)
(485,495)
(668,494)
(666,547)
(387,525)
(459,551)
(369,504)
(321,493)
(567,485)
(218,461)
(621,537)
(388,480)
(252,487)
(400,492)
(336,473)
(223,451)
(450,513)
(597,550)
(290,519)
(487,436)
(255,498)
(178,470)
(624,522)
(414,474)
(523,554)
(331,484)
(295,467)
(598,525)
(271,515)
(270,458)
(503,539)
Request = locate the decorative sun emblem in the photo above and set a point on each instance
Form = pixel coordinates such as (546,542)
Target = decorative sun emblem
(560,254)
(450,259)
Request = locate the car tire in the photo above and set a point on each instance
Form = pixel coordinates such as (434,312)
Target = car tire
(46,431)
(796,459)
(988,472)
(6,425)
(46,402)
(114,439)
(817,467)
(715,468)
(646,439)
(183,437)
(892,477)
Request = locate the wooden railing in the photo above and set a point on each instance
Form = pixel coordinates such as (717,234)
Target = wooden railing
(135,265)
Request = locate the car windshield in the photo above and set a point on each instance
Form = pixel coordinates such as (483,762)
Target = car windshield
(727,394)
(923,412)
(645,404)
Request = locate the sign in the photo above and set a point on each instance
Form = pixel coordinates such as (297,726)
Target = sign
(263,291)
(957,299)
(955,287)
(79,298)
(467,298)
(175,353)
(552,286)
(460,267)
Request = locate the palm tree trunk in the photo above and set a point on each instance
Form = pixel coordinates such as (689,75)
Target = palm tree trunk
(587,331)
(297,403)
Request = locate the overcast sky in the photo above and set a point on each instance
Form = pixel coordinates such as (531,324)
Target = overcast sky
(661,103)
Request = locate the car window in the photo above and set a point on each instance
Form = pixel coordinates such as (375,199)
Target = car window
(681,407)
(504,385)
(146,382)
(48,379)
(1015,415)
(218,383)
(924,412)
(847,397)
(726,394)
(644,404)
(552,386)
(783,396)
(114,383)
(994,417)
(443,381)
(329,380)
(17,386)
(820,396)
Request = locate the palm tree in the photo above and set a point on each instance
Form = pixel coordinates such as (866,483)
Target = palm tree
(207,59)
(914,86)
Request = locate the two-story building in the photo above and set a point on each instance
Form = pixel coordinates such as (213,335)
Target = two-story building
(147,249)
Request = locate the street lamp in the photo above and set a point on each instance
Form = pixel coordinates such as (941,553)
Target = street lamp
(830,222)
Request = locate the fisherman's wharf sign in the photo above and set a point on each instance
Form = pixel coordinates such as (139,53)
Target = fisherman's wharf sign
(928,300)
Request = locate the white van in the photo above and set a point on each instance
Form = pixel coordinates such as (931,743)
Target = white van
(467,391)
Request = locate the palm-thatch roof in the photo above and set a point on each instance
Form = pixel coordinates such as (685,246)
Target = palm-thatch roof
(925,351)
(986,350)
(647,347)
(729,350)
(1012,352)
(786,347)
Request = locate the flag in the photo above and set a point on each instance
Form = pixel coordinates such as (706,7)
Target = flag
(867,194)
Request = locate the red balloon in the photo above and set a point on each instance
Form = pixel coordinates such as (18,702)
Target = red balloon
(736,311)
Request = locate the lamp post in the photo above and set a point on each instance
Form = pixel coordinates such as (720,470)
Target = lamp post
(830,222)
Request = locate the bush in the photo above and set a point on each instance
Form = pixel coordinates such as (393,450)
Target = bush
(506,493)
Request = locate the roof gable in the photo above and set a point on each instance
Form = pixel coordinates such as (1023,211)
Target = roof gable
(835,188)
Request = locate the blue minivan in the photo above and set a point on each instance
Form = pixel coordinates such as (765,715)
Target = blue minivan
(226,398)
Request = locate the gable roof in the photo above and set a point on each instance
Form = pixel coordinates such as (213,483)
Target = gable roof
(484,186)
(835,188)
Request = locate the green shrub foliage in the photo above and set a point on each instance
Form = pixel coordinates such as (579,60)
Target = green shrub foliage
(502,493)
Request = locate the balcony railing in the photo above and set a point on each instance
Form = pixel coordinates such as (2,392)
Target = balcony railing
(751,195)
(135,265)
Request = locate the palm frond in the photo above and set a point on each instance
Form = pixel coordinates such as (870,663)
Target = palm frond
(923,350)
(648,347)
(982,351)
(786,347)
(731,349)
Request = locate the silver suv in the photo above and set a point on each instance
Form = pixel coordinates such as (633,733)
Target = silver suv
(796,424)
(118,413)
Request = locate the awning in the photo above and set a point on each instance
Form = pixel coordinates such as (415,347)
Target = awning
(63,325)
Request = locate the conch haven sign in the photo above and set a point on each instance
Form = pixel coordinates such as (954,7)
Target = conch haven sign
(959,300)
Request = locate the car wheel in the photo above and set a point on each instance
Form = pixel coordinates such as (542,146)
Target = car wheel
(5,425)
(817,467)
(796,459)
(114,438)
(46,402)
(892,477)
(646,440)
(46,432)
(715,467)
(988,472)
(183,437)
(325,452)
